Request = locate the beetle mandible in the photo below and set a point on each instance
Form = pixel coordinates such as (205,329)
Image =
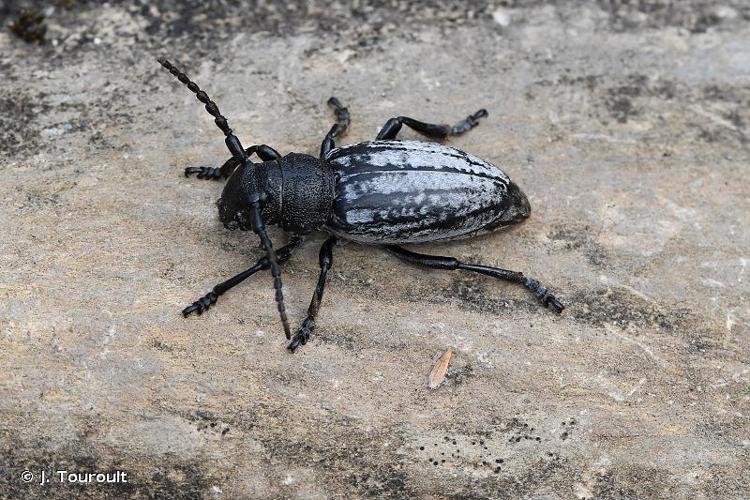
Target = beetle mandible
(384,192)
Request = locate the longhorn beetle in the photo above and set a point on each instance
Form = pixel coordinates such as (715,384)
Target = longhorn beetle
(384,192)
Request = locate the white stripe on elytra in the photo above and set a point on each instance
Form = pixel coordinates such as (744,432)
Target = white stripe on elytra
(448,204)
(416,154)
(416,182)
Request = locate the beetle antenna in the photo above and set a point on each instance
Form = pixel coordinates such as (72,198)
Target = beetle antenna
(211,106)
(235,147)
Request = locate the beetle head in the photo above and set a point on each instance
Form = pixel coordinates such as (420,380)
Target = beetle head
(235,202)
(234,207)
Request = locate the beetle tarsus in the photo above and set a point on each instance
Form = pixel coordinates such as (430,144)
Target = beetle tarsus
(201,305)
(302,335)
(343,119)
(544,296)
(469,122)
(204,172)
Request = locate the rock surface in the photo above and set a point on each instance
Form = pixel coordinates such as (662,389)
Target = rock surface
(625,124)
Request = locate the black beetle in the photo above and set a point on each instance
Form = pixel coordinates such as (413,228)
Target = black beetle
(385,192)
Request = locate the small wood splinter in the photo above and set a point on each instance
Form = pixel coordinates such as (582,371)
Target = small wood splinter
(440,370)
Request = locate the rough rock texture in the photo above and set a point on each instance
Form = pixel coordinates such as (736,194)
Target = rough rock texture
(626,123)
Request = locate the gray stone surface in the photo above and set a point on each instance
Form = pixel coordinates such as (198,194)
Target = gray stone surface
(626,125)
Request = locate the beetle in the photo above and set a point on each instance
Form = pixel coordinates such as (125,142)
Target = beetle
(384,192)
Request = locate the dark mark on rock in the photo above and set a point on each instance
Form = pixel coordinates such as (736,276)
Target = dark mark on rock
(625,309)
(29,26)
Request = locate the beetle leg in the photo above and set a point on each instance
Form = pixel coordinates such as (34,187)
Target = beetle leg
(338,129)
(308,325)
(266,153)
(204,303)
(431,130)
(451,264)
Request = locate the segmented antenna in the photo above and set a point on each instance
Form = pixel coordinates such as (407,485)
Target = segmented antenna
(235,147)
